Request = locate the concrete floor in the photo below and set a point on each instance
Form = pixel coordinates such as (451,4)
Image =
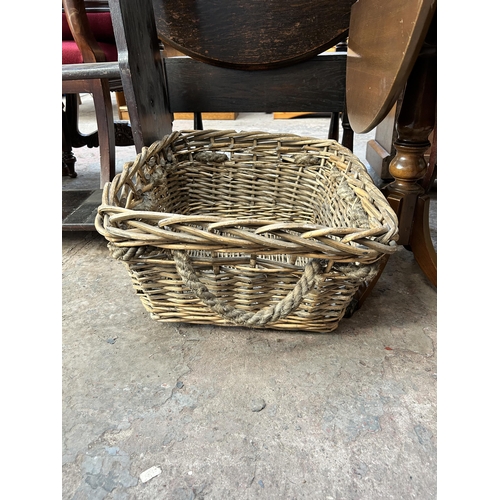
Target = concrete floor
(233,413)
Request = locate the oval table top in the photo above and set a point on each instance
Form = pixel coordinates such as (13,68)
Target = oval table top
(385,37)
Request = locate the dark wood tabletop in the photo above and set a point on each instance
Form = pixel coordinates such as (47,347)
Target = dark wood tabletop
(218,32)
(385,37)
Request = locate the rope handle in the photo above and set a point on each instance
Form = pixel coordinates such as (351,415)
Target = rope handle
(266,315)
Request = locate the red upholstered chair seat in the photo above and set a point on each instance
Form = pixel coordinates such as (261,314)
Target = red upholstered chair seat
(71,53)
(100,24)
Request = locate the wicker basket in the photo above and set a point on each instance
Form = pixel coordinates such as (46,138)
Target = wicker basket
(248,228)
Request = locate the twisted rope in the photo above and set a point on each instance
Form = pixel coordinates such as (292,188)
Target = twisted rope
(267,315)
(125,253)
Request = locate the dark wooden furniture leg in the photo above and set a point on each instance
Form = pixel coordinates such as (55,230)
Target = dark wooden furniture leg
(71,135)
(415,122)
(77,139)
(333,132)
(197,121)
(68,158)
(348,134)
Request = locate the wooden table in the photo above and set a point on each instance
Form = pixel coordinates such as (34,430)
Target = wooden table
(392,48)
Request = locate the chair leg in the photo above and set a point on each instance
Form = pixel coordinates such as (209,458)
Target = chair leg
(333,132)
(348,134)
(197,121)
(68,158)
(74,136)
(105,129)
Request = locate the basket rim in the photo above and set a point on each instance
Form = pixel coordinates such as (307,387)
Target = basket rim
(127,227)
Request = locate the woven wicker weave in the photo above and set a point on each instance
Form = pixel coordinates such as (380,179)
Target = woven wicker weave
(247,228)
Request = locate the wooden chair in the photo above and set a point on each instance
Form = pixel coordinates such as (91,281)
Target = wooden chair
(87,37)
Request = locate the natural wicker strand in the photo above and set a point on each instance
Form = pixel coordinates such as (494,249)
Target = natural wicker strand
(267,315)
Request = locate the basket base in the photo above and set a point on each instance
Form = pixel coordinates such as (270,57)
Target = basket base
(328,327)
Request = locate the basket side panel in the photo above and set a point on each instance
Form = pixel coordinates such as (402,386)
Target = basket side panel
(167,299)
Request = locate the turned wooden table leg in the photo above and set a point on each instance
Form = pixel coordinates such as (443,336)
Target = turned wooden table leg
(415,122)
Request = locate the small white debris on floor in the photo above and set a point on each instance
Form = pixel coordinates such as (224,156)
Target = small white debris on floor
(150,473)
